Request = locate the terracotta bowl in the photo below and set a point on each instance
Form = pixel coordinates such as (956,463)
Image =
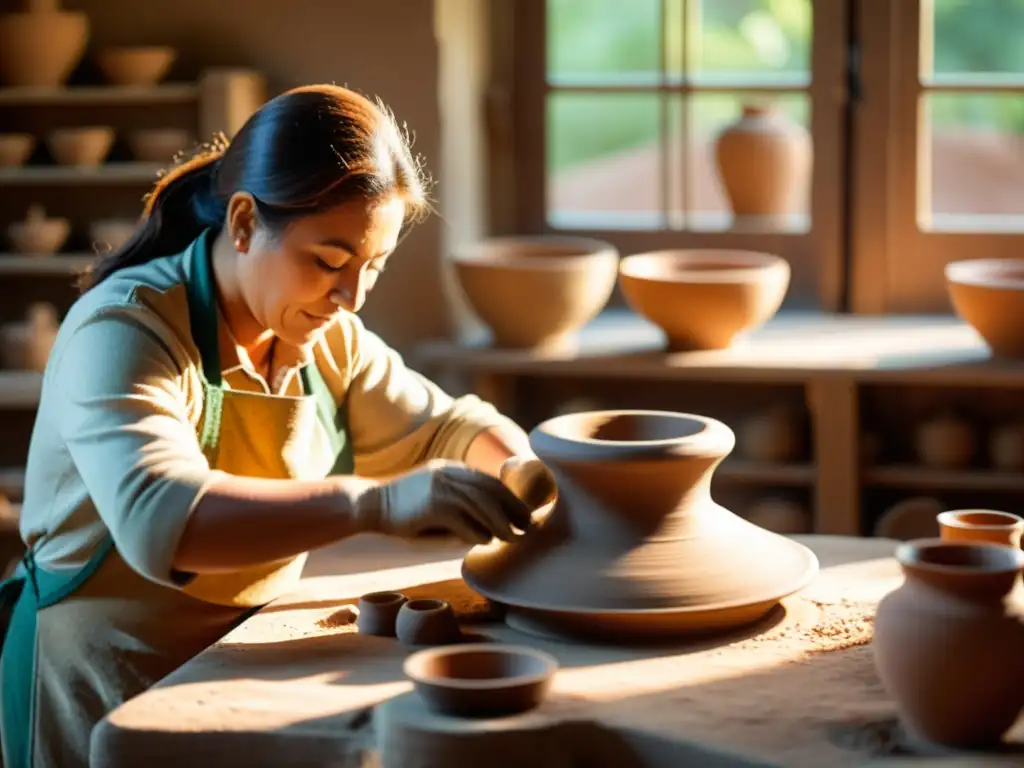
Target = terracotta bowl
(41,48)
(136,65)
(159,145)
(378,612)
(111,234)
(15,149)
(427,622)
(704,299)
(86,146)
(481,679)
(989,295)
(536,292)
(981,525)
(45,236)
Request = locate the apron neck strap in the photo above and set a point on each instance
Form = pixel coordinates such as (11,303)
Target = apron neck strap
(202,307)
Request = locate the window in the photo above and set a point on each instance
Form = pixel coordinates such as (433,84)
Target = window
(913,108)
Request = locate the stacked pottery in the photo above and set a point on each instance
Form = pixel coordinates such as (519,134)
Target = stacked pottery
(989,295)
(536,292)
(41,45)
(948,642)
(704,299)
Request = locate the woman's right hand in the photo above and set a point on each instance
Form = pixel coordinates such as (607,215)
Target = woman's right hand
(445,495)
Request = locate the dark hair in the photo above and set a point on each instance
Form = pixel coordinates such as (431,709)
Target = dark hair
(303,152)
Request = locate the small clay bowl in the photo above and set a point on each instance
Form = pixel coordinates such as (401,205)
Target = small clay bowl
(111,234)
(83,147)
(159,145)
(427,622)
(378,612)
(136,65)
(15,149)
(41,236)
(981,525)
(481,679)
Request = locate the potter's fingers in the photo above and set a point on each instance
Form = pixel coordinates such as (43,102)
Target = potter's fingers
(453,520)
(482,509)
(513,509)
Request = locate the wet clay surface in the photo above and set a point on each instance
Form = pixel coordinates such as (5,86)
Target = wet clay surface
(297,685)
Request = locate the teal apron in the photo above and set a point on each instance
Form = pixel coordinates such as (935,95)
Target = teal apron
(33,588)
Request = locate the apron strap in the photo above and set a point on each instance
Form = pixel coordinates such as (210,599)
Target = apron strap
(333,417)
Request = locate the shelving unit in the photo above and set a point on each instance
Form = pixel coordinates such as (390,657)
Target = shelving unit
(828,361)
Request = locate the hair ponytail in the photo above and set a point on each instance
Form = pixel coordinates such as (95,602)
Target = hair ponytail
(181,205)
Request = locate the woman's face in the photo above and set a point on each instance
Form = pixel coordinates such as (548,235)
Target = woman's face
(295,281)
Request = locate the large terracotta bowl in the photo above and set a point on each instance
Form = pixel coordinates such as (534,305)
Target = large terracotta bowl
(536,292)
(704,299)
(989,295)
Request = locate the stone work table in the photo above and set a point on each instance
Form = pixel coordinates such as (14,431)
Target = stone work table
(297,685)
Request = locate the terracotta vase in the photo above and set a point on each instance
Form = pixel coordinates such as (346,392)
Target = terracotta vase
(536,292)
(38,234)
(988,294)
(764,162)
(26,345)
(427,622)
(136,65)
(1006,447)
(774,436)
(981,525)
(41,45)
(947,642)
(704,299)
(378,613)
(635,546)
(946,441)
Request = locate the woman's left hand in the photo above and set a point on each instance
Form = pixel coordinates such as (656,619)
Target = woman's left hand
(529,479)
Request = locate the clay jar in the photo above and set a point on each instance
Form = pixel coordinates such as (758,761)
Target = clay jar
(947,645)
(41,46)
(536,292)
(946,441)
(981,525)
(704,299)
(427,622)
(764,162)
(989,295)
(481,679)
(378,613)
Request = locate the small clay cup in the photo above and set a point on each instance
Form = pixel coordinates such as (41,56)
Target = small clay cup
(481,679)
(378,612)
(427,622)
(981,525)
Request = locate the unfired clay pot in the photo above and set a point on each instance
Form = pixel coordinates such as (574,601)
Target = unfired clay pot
(704,299)
(989,295)
(111,234)
(481,679)
(136,65)
(38,234)
(764,161)
(1006,447)
(15,149)
(378,612)
(427,622)
(536,292)
(981,525)
(774,436)
(81,146)
(947,642)
(158,145)
(26,345)
(42,45)
(635,546)
(946,441)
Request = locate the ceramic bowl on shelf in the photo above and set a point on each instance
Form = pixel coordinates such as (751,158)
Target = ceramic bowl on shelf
(536,292)
(15,149)
(158,145)
(38,233)
(988,294)
(136,65)
(111,234)
(481,679)
(704,299)
(41,46)
(82,146)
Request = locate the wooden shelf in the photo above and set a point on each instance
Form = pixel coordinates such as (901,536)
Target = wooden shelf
(108,173)
(740,471)
(44,263)
(911,477)
(171,93)
(20,389)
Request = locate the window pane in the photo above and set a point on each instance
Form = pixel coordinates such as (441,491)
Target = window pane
(751,37)
(604,157)
(603,39)
(976,160)
(978,37)
(779,169)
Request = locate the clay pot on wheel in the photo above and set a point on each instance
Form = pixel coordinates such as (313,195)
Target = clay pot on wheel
(947,644)
(536,292)
(26,345)
(38,234)
(41,45)
(764,162)
(635,546)
(15,149)
(704,299)
(989,295)
(136,65)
